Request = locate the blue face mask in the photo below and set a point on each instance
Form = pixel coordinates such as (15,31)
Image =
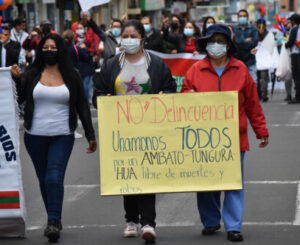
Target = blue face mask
(116,32)
(147,28)
(216,50)
(188,32)
(243,20)
(208,25)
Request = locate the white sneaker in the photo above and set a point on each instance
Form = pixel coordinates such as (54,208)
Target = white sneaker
(77,135)
(148,233)
(131,230)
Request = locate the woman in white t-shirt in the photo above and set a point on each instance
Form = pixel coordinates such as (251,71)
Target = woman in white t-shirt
(53,94)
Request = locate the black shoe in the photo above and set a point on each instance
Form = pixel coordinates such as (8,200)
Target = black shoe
(288,98)
(59,225)
(210,230)
(265,99)
(52,230)
(294,101)
(235,236)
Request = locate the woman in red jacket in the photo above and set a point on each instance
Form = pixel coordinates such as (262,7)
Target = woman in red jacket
(219,71)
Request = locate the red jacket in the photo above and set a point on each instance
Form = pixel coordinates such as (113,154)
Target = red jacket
(90,37)
(202,77)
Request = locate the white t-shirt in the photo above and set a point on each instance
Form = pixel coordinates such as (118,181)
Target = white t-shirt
(51,110)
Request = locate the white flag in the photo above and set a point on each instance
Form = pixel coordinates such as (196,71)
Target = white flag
(87,4)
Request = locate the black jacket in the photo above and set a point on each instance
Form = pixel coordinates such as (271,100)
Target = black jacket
(159,73)
(179,40)
(155,41)
(78,102)
(12,53)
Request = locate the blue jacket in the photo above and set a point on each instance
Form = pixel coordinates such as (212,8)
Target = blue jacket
(243,48)
(292,38)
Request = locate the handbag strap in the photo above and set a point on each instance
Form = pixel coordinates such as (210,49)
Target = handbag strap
(76,50)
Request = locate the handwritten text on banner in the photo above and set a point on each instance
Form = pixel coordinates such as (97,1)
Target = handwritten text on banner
(169,143)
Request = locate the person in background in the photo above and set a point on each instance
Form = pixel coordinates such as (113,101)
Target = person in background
(220,71)
(281,40)
(208,21)
(90,34)
(33,40)
(245,39)
(84,40)
(53,94)
(30,47)
(111,41)
(294,45)
(186,42)
(176,28)
(154,40)
(19,35)
(134,72)
(262,75)
(24,25)
(81,60)
(9,49)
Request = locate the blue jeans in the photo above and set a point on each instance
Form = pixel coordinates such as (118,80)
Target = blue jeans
(50,155)
(87,83)
(209,205)
(252,70)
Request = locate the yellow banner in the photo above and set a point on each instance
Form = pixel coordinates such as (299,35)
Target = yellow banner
(169,143)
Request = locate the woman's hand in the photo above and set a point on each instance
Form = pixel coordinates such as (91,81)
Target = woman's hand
(92,146)
(195,52)
(86,16)
(253,51)
(82,45)
(264,141)
(16,71)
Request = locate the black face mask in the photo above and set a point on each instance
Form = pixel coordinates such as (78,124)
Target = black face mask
(46,30)
(49,57)
(174,25)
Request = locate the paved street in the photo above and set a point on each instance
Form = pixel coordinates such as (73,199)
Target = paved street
(272,208)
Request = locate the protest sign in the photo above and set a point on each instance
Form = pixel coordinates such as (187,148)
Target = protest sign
(169,143)
(88,4)
(12,217)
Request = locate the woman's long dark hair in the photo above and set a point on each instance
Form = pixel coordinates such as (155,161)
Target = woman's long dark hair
(65,64)
(204,29)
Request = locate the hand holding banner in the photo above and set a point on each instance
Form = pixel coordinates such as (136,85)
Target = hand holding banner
(88,4)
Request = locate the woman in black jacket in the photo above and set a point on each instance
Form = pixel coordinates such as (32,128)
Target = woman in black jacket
(208,21)
(131,73)
(53,94)
(187,42)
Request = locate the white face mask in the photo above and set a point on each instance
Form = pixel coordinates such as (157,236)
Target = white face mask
(80,32)
(131,45)
(216,50)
